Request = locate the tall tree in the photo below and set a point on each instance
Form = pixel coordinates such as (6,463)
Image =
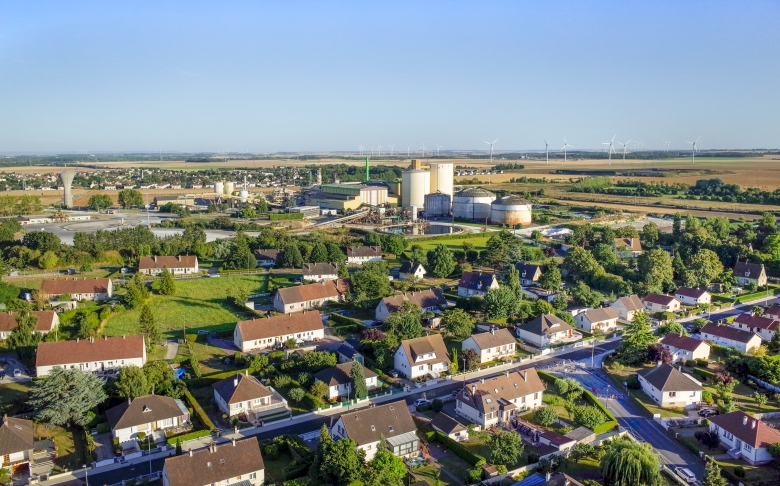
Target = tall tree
(291,257)
(99,202)
(358,380)
(629,463)
(551,279)
(655,269)
(677,225)
(334,252)
(712,475)
(149,327)
(24,338)
(457,323)
(371,281)
(66,396)
(650,235)
(405,322)
(132,382)
(500,303)
(319,254)
(336,463)
(441,263)
(136,291)
(636,338)
(167,285)
(513,282)
(130,197)
(703,268)
(506,447)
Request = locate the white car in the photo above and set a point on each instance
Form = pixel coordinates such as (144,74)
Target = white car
(420,402)
(685,474)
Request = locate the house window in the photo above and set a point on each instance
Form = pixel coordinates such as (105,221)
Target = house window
(672,394)
(747,447)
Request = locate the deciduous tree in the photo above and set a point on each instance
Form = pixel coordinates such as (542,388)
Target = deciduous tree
(132,382)
(441,263)
(629,463)
(500,303)
(505,447)
(130,197)
(457,323)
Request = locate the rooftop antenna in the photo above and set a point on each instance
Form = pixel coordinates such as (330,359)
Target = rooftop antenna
(438,147)
(624,149)
(693,150)
(610,147)
(546,153)
(565,144)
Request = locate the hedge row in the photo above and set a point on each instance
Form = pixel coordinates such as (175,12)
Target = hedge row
(209,380)
(474,459)
(590,398)
(188,436)
(704,374)
(205,420)
(344,320)
(284,216)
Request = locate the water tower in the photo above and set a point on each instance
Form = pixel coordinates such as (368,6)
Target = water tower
(67,181)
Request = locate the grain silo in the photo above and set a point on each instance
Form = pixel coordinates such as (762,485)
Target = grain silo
(415,184)
(219,188)
(472,203)
(442,177)
(230,187)
(437,204)
(244,195)
(510,210)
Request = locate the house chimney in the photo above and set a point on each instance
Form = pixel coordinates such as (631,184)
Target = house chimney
(744,420)
(77,339)
(234,440)
(547,477)
(492,330)
(753,424)
(473,389)
(482,380)
(190,451)
(525,376)
(235,381)
(129,400)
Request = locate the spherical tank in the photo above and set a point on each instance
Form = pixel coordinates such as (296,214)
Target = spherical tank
(472,203)
(415,184)
(244,195)
(229,188)
(219,188)
(510,210)
(437,204)
(442,177)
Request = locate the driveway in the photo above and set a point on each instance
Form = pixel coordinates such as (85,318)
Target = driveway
(227,346)
(12,364)
(173,348)
(104,447)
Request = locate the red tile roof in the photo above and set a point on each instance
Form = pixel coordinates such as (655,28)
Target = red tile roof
(85,350)
(45,321)
(75,286)
(331,289)
(281,325)
(682,342)
(757,321)
(747,429)
(728,332)
(154,262)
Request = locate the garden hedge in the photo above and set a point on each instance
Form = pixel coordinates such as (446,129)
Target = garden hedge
(459,449)
(705,375)
(589,397)
(188,436)
(344,320)
(205,420)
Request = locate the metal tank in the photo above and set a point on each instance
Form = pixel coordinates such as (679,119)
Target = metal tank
(437,204)
(472,203)
(230,188)
(244,195)
(67,181)
(415,184)
(442,177)
(510,210)
(219,188)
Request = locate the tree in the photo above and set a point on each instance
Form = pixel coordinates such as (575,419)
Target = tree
(703,268)
(336,462)
(291,257)
(132,382)
(136,291)
(405,322)
(319,254)
(160,377)
(505,447)
(583,295)
(130,197)
(178,447)
(587,416)
(581,451)
(24,338)
(629,463)
(496,254)
(658,352)
(297,394)
(237,294)
(42,241)
(774,450)
(167,284)
(99,202)
(385,469)
(761,399)
(394,244)
(551,279)
(712,475)
(580,261)
(149,327)
(677,225)
(513,282)
(371,281)
(650,234)
(441,263)
(470,358)
(319,389)
(655,269)
(636,338)
(457,323)
(66,396)
(671,326)
(545,416)
(358,380)
(48,260)
(548,464)
(499,303)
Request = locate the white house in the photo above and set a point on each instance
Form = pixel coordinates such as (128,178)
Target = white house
(16,443)
(359,255)
(273,332)
(476,284)
(428,300)
(546,330)
(411,270)
(318,272)
(604,319)
(150,415)
(47,321)
(268,257)
(493,345)
(368,425)
(498,400)
(773,311)
(750,273)
(660,303)
(340,382)
(669,387)
(743,341)
(529,274)
(238,462)
(310,296)
(766,327)
(627,307)
(78,288)
(689,296)
(422,356)
(243,393)
(684,348)
(627,247)
(177,265)
(746,437)
(101,355)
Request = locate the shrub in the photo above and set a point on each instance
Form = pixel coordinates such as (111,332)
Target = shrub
(282,381)
(271,452)
(633,382)
(691,363)
(707,397)
(199,412)
(533,458)
(739,471)
(103,428)
(437,405)
(297,394)
(702,362)
(188,436)
(141,435)
(474,475)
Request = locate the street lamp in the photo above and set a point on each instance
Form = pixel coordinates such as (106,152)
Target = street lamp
(86,475)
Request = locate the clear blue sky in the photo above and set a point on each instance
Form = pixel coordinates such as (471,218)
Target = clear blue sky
(308,76)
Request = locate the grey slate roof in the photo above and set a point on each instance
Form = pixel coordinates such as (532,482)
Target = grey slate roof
(16,435)
(341,374)
(668,378)
(144,410)
(545,325)
(369,424)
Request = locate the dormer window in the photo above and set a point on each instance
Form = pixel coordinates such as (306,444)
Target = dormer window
(390,427)
(373,429)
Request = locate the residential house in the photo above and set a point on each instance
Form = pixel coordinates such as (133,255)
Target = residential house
(684,348)
(428,300)
(318,272)
(101,355)
(739,339)
(238,463)
(538,293)
(310,296)
(627,307)
(268,257)
(498,400)
(177,265)
(529,274)
(243,393)
(627,247)
(363,254)
(47,321)
(546,330)
(150,415)
(16,443)
(773,311)
(416,358)
(348,354)
(669,387)
(368,425)
(604,319)
(412,270)
(476,284)
(660,303)
(449,427)
(746,437)
(766,327)
(556,441)
(689,296)
(274,332)
(78,288)
(750,273)
(339,380)
(493,345)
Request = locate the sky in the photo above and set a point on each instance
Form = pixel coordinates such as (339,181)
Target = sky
(329,76)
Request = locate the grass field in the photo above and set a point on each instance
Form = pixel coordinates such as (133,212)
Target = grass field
(478,240)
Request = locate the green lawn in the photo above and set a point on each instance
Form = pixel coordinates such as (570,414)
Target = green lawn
(744,397)
(12,397)
(274,470)
(211,358)
(70,446)
(427,473)
(478,240)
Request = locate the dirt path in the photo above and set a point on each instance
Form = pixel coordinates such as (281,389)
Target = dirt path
(173,348)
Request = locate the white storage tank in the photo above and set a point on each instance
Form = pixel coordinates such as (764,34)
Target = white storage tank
(442,177)
(510,210)
(472,203)
(219,188)
(415,184)
(437,204)
(244,195)
(230,187)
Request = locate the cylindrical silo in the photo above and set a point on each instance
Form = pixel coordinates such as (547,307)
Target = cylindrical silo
(442,177)
(415,184)
(472,203)
(510,210)
(219,188)
(230,187)
(437,204)
(244,194)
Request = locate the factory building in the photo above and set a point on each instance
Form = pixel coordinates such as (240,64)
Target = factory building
(437,204)
(347,196)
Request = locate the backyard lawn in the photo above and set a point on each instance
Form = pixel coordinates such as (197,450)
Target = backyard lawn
(639,396)
(479,241)
(12,397)
(70,446)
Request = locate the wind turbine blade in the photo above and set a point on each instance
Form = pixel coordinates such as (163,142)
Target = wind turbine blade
(613,137)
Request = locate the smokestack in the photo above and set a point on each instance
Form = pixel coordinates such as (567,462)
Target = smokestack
(67,181)
(367,178)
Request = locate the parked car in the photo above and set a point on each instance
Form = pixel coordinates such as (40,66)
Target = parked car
(393,373)
(203,331)
(708,412)
(376,323)
(685,474)
(420,402)
(17,372)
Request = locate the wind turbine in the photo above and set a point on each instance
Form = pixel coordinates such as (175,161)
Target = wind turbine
(610,147)
(361,150)
(407,151)
(423,150)
(372,151)
(666,145)
(438,147)
(624,149)
(693,150)
(379,151)
(491,151)
(391,150)
(565,144)
(546,154)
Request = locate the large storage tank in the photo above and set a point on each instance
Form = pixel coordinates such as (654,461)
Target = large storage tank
(219,188)
(472,203)
(437,204)
(415,184)
(244,195)
(442,177)
(510,210)
(230,187)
